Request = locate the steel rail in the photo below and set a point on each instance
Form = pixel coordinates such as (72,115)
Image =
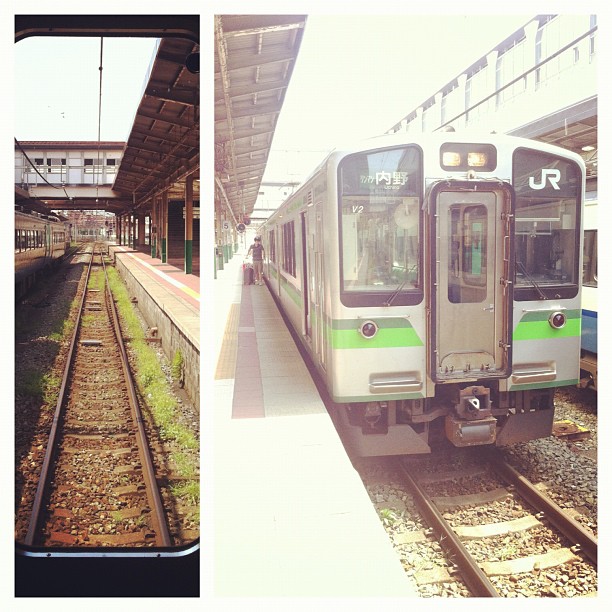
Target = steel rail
(155,500)
(474,577)
(553,513)
(50,450)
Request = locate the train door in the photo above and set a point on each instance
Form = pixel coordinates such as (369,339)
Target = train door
(319,291)
(471,288)
(48,241)
(306,325)
(277,257)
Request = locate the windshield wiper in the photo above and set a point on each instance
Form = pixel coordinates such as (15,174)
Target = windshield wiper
(531,280)
(395,293)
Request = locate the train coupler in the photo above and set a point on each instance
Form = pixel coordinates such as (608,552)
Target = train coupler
(474,403)
(373,417)
(476,432)
(472,423)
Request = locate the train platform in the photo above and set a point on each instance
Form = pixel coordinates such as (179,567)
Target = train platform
(291,515)
(169,300)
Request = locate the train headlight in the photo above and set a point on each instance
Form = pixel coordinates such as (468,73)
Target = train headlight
(477,160)
(368,329)
(557,320)
(451,158)
(456,156)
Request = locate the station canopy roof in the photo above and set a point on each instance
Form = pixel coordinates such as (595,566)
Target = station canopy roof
(163,145)
(254,59)
(574,128)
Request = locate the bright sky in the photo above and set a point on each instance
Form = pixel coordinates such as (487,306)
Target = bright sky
(57,87)
(358,75)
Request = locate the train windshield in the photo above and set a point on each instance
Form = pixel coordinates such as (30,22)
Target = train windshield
(547,225)
(380,227)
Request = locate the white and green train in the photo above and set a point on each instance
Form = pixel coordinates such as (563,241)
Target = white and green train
(435,282)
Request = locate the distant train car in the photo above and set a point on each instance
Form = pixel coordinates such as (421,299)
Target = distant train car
(435,283)
(40,241)
(588,356)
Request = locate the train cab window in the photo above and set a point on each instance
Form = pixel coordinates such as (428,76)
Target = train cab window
(380,227)
(547,225)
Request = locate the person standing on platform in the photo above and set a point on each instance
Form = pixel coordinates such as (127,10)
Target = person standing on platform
(258,254)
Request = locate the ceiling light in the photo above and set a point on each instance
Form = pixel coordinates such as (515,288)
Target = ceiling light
(588,148)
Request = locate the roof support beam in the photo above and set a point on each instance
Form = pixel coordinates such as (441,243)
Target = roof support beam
(163,92)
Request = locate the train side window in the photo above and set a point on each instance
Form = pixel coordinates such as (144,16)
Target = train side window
(289,248)
(589,266)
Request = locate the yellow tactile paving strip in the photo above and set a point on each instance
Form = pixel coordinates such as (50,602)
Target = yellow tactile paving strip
(226,365)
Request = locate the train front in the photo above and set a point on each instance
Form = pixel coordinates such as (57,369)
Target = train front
(460,265)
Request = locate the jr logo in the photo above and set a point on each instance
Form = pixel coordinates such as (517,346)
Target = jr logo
(551,174)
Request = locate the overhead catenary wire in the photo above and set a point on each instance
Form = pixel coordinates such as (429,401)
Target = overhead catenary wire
(100,69)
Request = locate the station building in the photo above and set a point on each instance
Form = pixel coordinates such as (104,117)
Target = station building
(539,83)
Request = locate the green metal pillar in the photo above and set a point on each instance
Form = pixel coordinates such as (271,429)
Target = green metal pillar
(219,257)
(188,256)
(189,224)
(164,234)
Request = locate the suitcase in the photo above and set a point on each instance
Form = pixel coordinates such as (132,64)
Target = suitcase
(248,274)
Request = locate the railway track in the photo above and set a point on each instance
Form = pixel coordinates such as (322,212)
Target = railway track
(97,486)
(484,516)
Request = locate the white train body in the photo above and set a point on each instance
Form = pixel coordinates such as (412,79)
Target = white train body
(588,360)
(40,241)
(435,295)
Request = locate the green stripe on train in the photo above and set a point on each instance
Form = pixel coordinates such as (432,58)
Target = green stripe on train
(385,338)
(292,292)
(541,385)
(541,330)
(542,315)
(383,323)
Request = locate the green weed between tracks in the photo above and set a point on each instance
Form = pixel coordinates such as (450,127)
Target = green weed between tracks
(156,391)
